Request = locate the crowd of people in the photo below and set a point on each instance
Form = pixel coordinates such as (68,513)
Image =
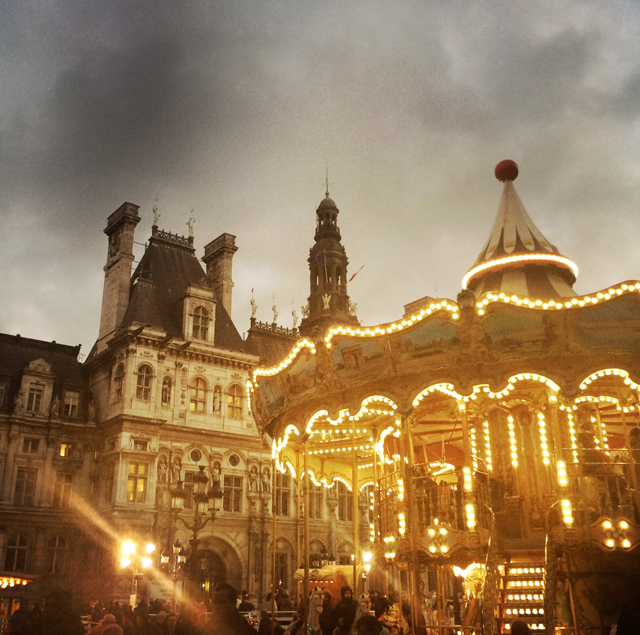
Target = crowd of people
(225,614)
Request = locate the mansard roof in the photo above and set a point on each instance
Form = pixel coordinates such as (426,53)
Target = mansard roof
(167,268)
(17,352)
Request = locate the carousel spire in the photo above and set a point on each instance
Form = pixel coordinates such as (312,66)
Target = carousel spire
(517,258)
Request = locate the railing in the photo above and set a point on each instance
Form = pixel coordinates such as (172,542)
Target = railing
(432,500)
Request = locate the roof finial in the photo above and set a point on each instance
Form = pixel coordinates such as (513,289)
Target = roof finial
(156,213)
(327,177)
(190,223)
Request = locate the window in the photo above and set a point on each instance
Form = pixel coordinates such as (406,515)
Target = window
(16,557)
(118,382)
(197,395)
(56,555)
(25,487)
(107,488)
(143,386)
(282,569)
(315,500)
(283,494)
(232,501)
(67,450)
(234,460)
(34,399)
(234,402)
(200,323)
(166,391)
(140,445)
(31,446)
(71,398)
(195,455)
(3,391)
(345,502)
(188,489)
(62,490)
(137,483)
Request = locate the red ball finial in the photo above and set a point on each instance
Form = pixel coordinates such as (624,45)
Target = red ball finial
(506,170)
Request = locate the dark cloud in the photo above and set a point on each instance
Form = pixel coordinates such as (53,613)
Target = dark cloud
(232,108)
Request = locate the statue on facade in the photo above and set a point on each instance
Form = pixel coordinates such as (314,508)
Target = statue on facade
(217,399)
(353,308)
(266,480)
(253,478)
(326,301)
(275,310)
(254,305)
(55,407)
(294,315)
(18,402)
(216,475)
(176,469)
(305,310)
(162,469)
(91,414)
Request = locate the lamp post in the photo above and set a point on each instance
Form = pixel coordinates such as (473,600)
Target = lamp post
(207,500)
(131,557)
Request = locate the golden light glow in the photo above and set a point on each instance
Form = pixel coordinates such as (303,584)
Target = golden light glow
(274,370)
(563,480)
(567,512)
(512,442)
(542,424)
(566,303)
(128,548)
(520,259)
(392,327)
(608,372)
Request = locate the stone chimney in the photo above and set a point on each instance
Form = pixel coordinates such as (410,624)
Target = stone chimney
(120,229)
(218,256)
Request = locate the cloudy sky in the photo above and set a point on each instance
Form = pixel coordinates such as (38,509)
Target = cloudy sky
(232,108)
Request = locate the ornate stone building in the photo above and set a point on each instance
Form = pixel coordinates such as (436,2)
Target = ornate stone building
(92,453)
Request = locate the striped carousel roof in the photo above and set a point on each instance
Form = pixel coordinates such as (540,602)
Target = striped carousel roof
(517,258)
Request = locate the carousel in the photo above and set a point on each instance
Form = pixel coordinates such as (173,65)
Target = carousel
(491,445)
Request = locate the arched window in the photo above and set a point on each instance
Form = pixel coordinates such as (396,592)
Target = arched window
(143,386)
(56,555)
(166,391)
(16,557)
(200,323)
(197,395)
(118,382)
(234,401)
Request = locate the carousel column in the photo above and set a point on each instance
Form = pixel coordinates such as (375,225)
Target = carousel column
(305,591)
(632,456)
(356,509)
(273,538)
(407,471)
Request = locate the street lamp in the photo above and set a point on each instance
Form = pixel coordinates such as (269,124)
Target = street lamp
(206,500)
(129,557)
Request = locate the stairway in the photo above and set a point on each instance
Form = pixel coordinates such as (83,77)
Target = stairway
(521,593)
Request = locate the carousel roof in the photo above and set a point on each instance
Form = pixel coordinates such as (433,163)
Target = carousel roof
(517,258)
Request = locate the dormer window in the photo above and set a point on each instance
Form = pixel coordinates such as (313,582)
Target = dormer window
(143,386)
(200,323)
(34,399)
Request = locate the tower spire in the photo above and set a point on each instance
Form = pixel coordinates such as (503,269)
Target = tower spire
(327,178)
(329,303)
